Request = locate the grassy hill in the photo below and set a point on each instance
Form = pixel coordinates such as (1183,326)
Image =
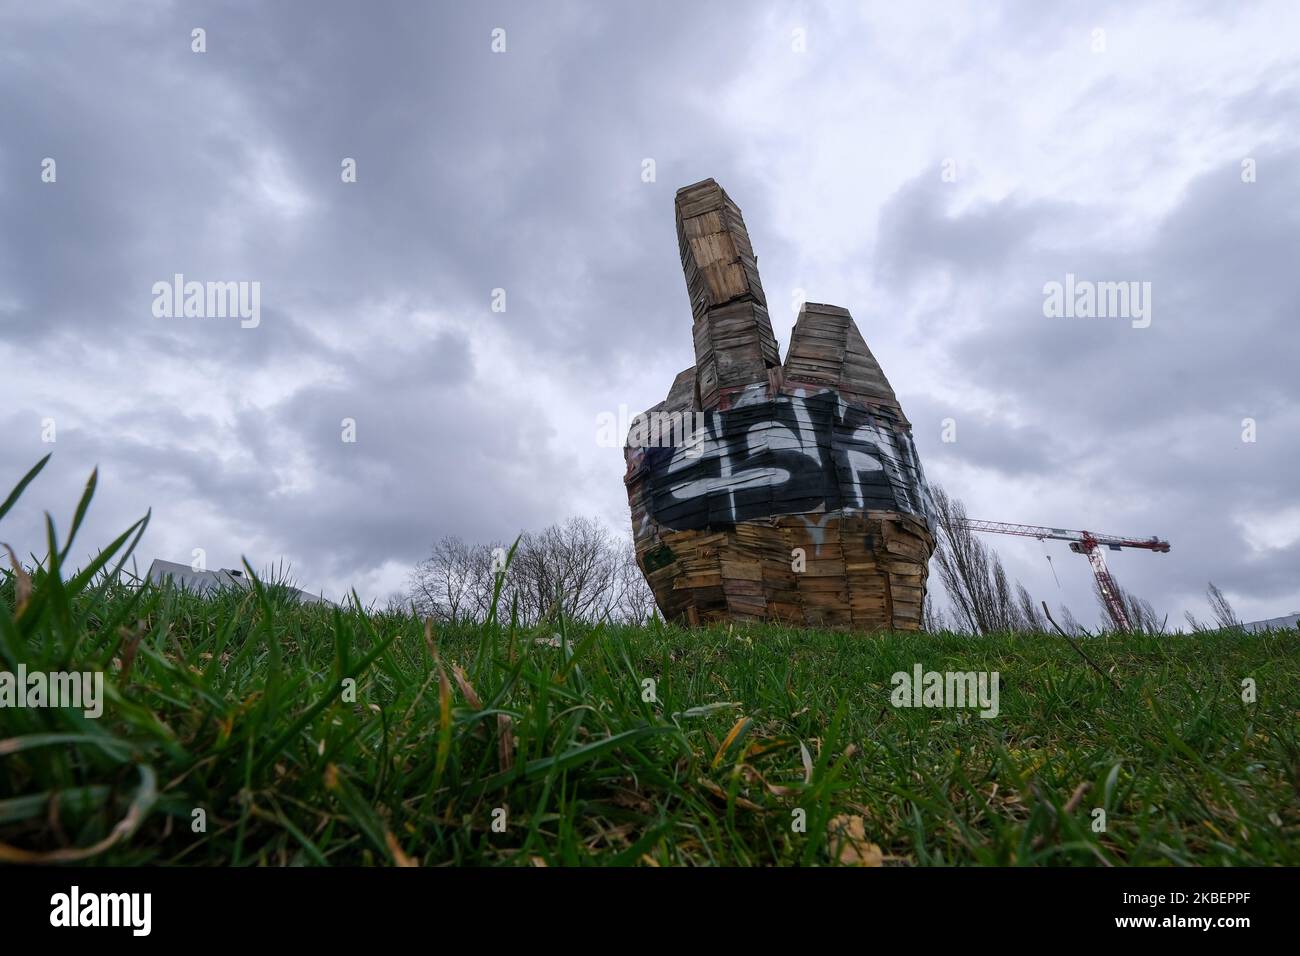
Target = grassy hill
(761,745)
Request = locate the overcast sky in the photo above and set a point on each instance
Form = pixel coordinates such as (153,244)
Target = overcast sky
(928,167)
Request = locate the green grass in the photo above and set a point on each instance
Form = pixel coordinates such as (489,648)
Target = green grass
(234,705)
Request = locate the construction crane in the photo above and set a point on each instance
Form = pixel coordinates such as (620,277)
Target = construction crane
(1083,542)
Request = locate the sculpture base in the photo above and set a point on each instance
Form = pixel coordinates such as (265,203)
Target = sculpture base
(864,570)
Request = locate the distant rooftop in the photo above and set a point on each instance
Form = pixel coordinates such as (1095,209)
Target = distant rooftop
(202,582)
(1274,623)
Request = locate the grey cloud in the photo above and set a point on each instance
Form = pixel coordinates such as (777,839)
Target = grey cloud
(1151,417)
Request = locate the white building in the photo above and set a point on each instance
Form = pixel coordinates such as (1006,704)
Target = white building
(201,582)
(1274,623)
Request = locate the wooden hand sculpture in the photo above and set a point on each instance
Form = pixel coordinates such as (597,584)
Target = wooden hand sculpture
(769,491)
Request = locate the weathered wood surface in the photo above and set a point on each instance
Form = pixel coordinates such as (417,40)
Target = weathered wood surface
(798,495)
(734,344)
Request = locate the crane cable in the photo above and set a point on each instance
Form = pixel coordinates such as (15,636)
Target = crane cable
(1049,563)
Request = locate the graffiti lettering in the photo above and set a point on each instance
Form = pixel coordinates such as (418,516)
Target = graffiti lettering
(790,455)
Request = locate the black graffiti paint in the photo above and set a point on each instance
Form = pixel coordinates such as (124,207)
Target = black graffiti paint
(790,455)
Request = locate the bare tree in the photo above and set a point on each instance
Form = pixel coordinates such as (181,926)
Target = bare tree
(1031,617)
(1142,616)
(455,583)
(1224,615)
(439,585)
(933,619)
(578,569)
(1069,623)
(636,602)
(973,576)
(570,568)
(963,563)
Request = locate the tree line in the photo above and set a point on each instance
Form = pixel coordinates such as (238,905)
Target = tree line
(587,573)
(578,568)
